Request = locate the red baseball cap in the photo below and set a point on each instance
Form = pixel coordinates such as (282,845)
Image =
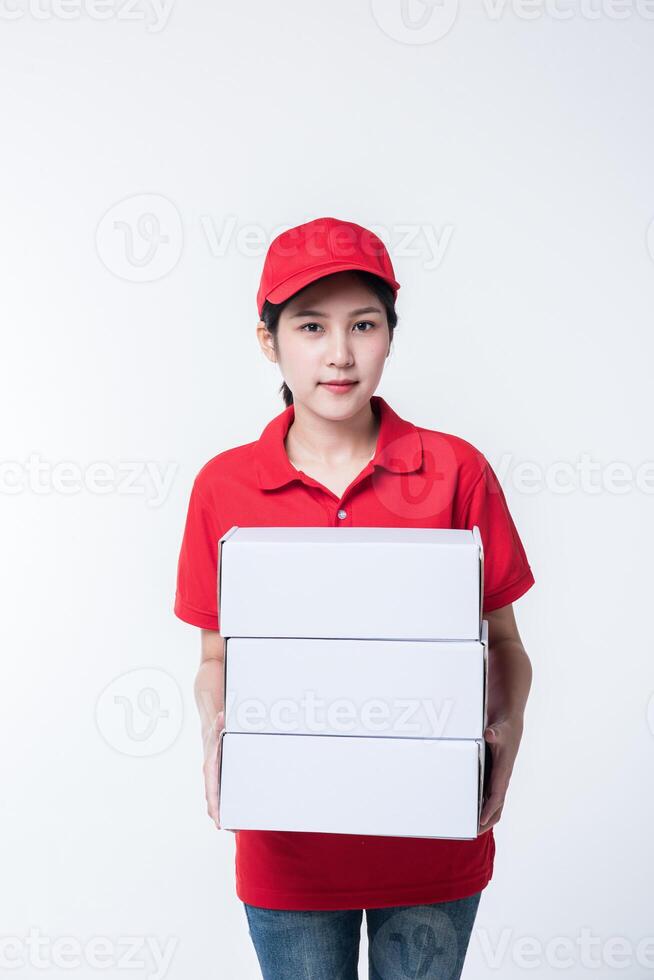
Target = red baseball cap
(319,248)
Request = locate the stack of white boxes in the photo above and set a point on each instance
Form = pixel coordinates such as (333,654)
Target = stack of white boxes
(356,665)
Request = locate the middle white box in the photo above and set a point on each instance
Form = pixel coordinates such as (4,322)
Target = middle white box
(401,688)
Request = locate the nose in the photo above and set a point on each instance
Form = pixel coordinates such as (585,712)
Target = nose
(339,353)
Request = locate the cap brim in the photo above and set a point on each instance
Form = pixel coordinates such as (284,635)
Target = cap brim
(297,282)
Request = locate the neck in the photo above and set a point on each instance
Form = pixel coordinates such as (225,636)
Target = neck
(332,442)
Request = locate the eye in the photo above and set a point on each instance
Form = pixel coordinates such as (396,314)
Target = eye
(306,327)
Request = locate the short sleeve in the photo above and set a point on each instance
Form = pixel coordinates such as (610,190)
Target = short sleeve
(507,573)
(196,596)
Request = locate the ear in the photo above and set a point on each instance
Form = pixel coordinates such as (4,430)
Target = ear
(265,340)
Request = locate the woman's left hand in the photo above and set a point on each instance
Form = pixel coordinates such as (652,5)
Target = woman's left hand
(503,737)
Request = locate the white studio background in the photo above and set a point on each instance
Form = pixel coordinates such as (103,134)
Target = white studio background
(504,151)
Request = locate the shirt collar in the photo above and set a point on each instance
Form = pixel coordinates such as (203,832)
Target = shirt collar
(399,446)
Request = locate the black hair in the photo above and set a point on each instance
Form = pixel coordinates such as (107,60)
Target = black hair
(271,312)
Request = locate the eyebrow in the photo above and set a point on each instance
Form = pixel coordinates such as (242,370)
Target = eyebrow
(362,309)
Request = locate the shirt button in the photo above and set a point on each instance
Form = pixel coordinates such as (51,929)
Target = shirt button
(341,514)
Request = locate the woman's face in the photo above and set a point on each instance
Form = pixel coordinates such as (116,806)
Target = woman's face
(333,330)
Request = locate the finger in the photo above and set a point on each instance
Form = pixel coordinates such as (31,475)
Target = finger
(212,803)
(498,783)
(485,827)
(211,790)
(493,803)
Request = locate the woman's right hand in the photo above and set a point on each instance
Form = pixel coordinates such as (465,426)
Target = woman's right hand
(211,767)
(209,697)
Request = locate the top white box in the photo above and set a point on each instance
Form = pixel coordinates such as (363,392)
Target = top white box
(351,582)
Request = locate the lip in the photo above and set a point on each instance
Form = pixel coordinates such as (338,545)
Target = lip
(338,387)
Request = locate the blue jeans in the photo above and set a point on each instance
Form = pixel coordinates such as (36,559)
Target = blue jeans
(405,942)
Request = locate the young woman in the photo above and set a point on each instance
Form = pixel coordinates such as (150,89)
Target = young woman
(339,455)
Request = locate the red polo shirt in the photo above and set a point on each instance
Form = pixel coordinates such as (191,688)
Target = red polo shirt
(417,478)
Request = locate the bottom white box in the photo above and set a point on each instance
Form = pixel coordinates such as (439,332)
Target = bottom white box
(351,784)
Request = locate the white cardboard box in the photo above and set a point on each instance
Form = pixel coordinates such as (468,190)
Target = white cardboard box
(397,787)
(399,688)
(392,583)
